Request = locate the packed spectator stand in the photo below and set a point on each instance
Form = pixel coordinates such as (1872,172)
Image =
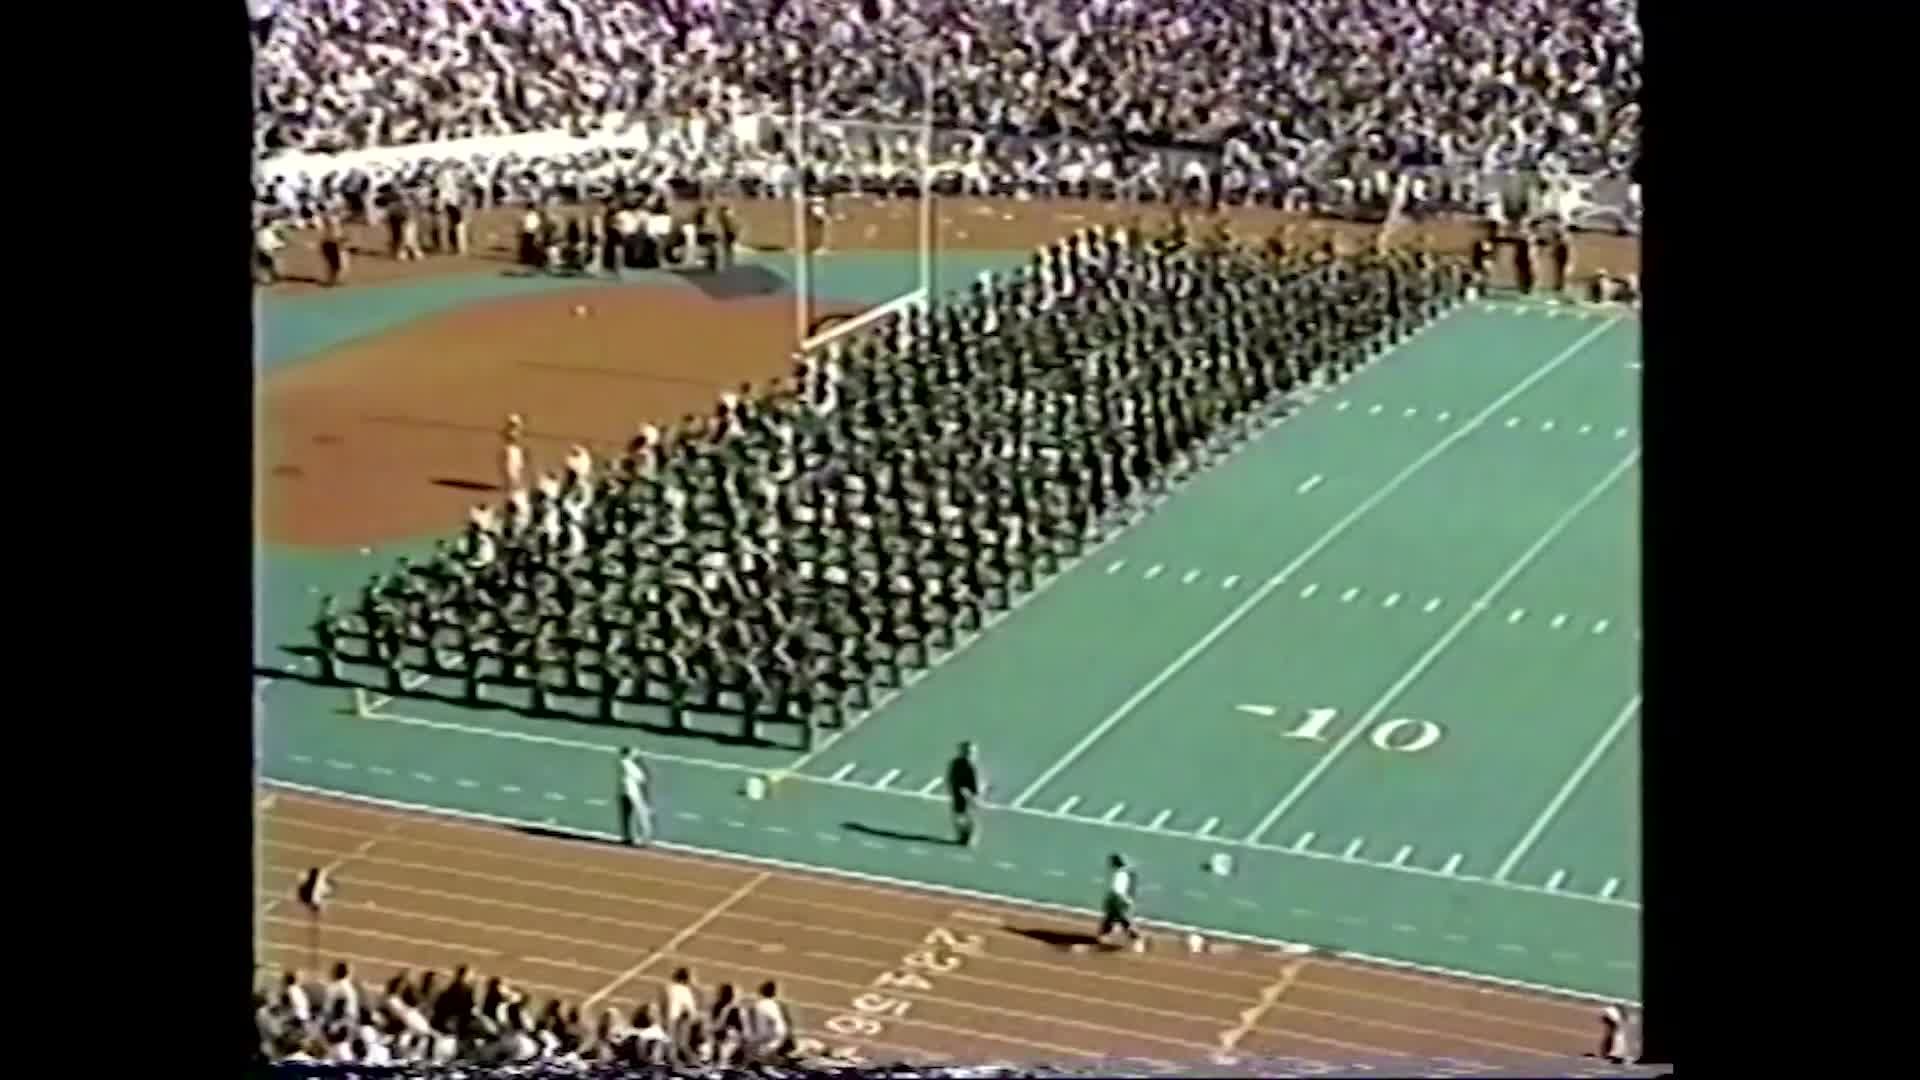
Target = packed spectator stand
(1322,106)
(430,1019)
(790,556)
(1367,83)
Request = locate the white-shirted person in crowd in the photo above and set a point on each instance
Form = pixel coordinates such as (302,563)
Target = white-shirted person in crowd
(294,1000)
(636,806)
(679,1004)
(342,998)
(1117,910)
(767,1024)
(650,1039)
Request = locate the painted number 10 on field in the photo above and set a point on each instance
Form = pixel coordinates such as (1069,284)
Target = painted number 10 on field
(1400,735)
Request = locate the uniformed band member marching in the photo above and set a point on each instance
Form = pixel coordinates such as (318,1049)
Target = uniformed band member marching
(792,554)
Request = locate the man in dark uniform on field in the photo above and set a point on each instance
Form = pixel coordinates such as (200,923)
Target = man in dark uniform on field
(964,786)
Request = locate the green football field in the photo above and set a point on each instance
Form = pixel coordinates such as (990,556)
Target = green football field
(1384,657)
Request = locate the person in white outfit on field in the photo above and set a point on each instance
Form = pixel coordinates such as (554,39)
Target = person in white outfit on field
(636,808)
(513,457)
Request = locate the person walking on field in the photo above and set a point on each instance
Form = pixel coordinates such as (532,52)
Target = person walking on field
(964,786)
(636,807)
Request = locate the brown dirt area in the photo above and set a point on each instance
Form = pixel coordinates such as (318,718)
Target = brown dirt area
(395,436)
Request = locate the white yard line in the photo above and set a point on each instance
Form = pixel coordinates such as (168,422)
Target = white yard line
(1559,800)
(676,940)
(1334,533)
(1426,659)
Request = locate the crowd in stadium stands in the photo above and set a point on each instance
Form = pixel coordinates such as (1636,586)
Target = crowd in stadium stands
(784,557)
(431,1019)
(1331,88)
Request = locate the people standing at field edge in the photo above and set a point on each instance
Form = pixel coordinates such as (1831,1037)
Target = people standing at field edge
(266,252)
(333,248)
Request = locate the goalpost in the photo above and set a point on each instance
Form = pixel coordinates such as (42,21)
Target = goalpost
(805,128)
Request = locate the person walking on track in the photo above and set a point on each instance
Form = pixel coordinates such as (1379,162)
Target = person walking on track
(1117,911)
(964,785)
(1613,1036)
(636,806)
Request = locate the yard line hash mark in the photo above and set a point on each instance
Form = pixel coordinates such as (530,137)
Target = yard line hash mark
(1309,484)
(1440,645)
(1326,539)
(1567,789)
